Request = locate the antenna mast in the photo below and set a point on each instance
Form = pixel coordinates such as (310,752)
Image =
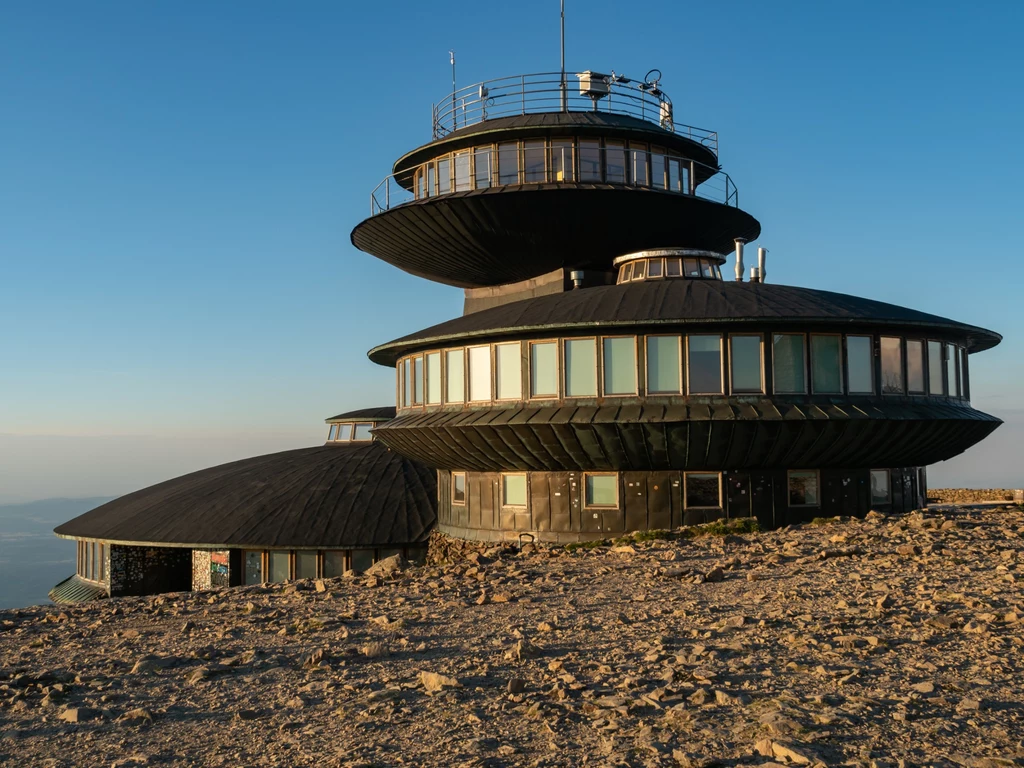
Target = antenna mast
(455,114)
(562,88)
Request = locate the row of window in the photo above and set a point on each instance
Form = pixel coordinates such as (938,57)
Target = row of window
(695,364)
(646,269)
(283,565)
(700,489)
(92,560)
(555,159)
(358,432)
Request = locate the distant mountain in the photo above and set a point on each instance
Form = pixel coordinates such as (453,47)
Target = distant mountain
(32,558)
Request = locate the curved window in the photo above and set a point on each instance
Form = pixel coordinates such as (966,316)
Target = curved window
(580,367)
(704,364)
(348,432)
(860,372)
(915,366)
(826,364)
(789,370)
(746,364)
(892,365)
(544,369)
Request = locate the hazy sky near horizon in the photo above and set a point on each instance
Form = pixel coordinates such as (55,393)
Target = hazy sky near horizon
(178,182)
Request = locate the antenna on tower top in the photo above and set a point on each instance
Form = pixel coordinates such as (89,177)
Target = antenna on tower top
(562,87)
(455,117)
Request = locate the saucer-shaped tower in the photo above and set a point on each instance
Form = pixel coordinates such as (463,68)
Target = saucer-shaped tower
(606,377)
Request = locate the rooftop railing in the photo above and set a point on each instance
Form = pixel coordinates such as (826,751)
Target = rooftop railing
(548,92)
(485,168)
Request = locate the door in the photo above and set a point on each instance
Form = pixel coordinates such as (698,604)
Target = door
(737,494)
(762,503)
(635,487)
(659,500)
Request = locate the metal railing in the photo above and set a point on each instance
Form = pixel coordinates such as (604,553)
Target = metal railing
(482,168)
(547,92)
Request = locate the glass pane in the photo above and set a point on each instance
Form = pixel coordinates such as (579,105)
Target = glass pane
(803,489)
(826,354)
(691,268)
(620,366)
(590,160)
(965,383)
(950,373)
(859,372)
(345,432)
(615,163)
(482,167)
(959,387)
(640,269)
(417,375)
(626,272)
(334,564)
(363,432)
(746,363)
(880,486)
(654,268)
(544,369)
(892,365)
(513,493)
(580,368)
(479,373)
(561,160)
(915,365)
(333,432)
(253,567)
(279,568)
(458,487)
(638,165)
(602,491)
(705,364)
(407,382)
(430,180)
(707,269)
(462,182)
(935,368)
(508,163)
(673,267)
(421,184)
(455,362)
(674,177)
(434,378)
(657,169)
(508,359)
(444,176)
(788,369)
(305,564)
(362,559)
(533,161)
(663,367)
(94,572)
(702,489)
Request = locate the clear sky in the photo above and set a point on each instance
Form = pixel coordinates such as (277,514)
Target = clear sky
(178,181)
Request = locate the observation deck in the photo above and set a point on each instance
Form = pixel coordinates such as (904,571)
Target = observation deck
(525,173)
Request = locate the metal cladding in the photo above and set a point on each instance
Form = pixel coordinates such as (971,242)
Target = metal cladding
(682,304)
(331,496)
(720,434)
(501,235)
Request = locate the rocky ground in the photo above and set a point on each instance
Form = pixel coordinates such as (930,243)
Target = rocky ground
(887,641)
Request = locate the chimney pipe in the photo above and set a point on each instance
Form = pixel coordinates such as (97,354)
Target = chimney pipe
(754,277)
(739,259)
(761,254)
(577,278)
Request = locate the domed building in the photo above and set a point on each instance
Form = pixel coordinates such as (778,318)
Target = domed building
(307,513)
(606,376)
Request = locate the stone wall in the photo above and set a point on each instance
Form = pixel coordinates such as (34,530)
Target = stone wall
(149,570)
(201,569)
(969,495)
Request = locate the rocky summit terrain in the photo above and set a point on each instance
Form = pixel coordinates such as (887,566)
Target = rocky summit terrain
(885,641)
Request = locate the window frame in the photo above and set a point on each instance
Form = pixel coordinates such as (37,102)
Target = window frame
(446,376)
(732,386)
(427,367)
(686,504)
(817,483)
(810,364)
(355,430)
(721,364)
(888,486)
(681,349)
(495,394)
(618,489)
(469,374)
(942,367)
(923,344)
(601,368)
(558,370)
(465,489)
(418,374)
(901,347)
(805,358)
(501,490)
(871,362)
(565,369)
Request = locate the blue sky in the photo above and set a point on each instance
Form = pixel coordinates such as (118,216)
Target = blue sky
(178,182)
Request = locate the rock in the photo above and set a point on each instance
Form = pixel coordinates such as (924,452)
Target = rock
(885,601)
(791,753)
(387,567)
(79,715)
(908,549)
(523,649)
(714,575)
(969,705)
(320,585)
(433,682)
(925,687)
(516,685)
(136,717)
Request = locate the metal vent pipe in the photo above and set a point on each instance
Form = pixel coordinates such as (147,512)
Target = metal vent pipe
(753,275)
(739,259)
(761,254)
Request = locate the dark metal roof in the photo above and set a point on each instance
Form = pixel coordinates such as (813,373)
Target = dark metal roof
(332,496)
(383,413)
(679,302)
(75,589)
(696,433)
(559,124)
(510,233)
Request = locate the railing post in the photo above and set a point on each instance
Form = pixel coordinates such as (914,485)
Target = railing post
(693,180)
(727,190)
(387,194)
(522,92)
